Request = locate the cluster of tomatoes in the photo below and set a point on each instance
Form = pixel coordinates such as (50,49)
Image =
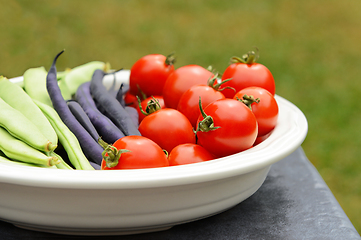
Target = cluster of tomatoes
(191,114)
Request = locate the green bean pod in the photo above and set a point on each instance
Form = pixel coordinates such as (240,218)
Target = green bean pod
(66,138)
(35,84)
(16,149)
(62,164)
(65,92)
(22,128)
(61,74)
(4,159)
(17,98)
(82,74)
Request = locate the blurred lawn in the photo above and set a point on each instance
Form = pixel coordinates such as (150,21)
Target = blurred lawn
(312,48)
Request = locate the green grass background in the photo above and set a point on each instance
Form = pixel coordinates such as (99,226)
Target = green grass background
(313,49)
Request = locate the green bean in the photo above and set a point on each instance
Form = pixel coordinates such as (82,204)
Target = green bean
(66,138)
(62,164)
(22,128)
(65,92)
(4,159)
(83,73)
(61,74)
(35,84)
(16,149)
(17,98)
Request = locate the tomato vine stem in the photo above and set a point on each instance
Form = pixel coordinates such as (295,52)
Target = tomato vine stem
(170,59)
(248,100)
(247,58)
(152,106)
(207,124)
(216,86)
(111,154)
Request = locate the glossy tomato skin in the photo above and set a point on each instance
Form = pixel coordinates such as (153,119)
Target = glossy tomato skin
(181,80)
(237,132)
(188,153)
(168,128)
(189,102)
(266,111)
(130,100)
(144,153)
(247,75)
(261,139)
(149,73)
(144,105)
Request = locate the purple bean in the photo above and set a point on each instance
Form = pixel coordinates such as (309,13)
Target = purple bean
(95,166)
(110,105)
(92,150)
(82,118)
(120,95)
(105,127)
(133,114)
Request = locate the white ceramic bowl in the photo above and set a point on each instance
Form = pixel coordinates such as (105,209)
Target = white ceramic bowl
(144,200)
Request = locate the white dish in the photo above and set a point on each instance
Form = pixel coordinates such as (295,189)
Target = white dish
(144,200)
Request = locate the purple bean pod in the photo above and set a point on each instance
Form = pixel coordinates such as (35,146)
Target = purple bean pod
(92,150)
(133,113)
(82,118)
(110,105)
(105,127)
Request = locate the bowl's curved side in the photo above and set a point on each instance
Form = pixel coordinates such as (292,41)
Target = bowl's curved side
(109,211)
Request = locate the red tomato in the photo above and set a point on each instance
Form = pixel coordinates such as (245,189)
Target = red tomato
(235,128)
(247,73)
(188,153)
(181,80)
(266,111)
(149,74)
(142,153)
(189,102)
(261,139)
(130,100)
(145,103)
(168,128)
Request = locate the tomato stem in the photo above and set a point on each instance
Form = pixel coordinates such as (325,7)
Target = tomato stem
(248,58)
(165,152)
(216,86)
(207,124)
(248,100)
(170,60)
(111,154)
(210,68)
(152,106)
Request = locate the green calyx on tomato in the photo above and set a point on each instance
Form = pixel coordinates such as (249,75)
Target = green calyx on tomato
(165,152)
(152,106)
(248,100)
(207,124)
(111,154)
(170,59)
(216,86)
(248,58)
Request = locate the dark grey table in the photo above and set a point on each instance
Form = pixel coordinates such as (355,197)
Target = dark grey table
(293,203)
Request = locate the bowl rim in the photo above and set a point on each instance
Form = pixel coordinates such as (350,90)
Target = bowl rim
(288,135)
